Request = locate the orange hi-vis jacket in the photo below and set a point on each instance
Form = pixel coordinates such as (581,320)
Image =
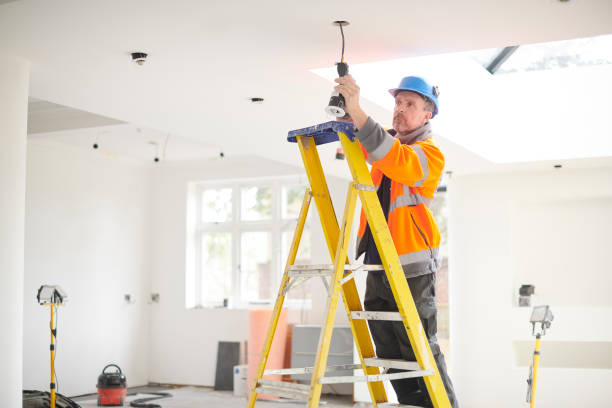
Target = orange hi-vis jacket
(415,170)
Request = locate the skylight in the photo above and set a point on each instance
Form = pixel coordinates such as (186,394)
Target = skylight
(535,111)
(552,55)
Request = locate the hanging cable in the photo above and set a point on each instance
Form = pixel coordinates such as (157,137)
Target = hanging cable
(165,146)
(342,33)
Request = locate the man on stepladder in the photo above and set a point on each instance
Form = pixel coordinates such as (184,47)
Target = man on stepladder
(406,168)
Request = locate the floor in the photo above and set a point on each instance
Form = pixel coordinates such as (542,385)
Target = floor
(191,397)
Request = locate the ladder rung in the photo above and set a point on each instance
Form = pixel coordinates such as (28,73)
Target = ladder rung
(330,267)
(375,377)
(281,392)
(283,384)
(282,389)
(388,363)
(308,370)
(310,273)
(393,405)
(366,315)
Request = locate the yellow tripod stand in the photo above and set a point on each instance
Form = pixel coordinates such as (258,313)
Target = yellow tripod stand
(342,283)
(52,384)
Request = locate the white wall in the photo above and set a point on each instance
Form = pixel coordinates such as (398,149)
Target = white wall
(87,230)
(14,78)
(184,342)
(551,228)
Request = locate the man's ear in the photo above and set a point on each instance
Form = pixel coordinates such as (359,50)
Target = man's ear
(428,116)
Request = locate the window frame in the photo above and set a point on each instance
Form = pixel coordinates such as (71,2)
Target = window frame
(276,226)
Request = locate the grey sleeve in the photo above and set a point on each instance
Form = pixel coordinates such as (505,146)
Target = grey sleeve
(376,140)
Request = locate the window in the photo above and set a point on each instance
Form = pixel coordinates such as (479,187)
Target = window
(240,239)
(439,207)
(579,52)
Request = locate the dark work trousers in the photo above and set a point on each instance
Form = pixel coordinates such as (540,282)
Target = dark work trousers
(392,341)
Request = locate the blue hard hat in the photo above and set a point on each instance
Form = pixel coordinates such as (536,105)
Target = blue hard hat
(420,86)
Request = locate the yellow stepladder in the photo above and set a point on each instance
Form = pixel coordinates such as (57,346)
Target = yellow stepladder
(341,282)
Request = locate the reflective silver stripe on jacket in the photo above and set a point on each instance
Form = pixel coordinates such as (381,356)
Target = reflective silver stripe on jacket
(409,200)
(423,162)
(419,256)
(383,149)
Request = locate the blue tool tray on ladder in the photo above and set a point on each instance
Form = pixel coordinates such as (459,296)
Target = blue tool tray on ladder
(324,132)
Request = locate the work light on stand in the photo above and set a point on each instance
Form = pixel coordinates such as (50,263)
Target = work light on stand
(52,296)
(540,315)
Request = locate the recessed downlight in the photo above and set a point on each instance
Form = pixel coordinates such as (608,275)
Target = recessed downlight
(139,57)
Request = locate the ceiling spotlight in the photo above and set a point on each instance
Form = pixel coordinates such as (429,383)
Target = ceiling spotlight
(139,57)
(256,100)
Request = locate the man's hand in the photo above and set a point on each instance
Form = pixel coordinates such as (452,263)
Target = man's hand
(349,89)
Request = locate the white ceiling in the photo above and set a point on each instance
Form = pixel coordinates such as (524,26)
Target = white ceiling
(128,141)
(207,58)
(45,117)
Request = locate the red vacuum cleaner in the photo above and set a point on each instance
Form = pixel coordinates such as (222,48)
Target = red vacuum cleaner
(112,387)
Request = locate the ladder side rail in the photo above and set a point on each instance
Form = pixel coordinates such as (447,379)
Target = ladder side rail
(361,333)
(295,243)
(394,271)
(329,223)
(332,300)
(320,191)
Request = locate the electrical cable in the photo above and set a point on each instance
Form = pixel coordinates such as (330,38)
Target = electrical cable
(342,33)
(165,145)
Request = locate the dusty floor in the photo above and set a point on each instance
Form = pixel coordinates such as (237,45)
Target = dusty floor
(190,397)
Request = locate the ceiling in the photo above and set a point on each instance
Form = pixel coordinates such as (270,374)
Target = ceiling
(45,117)
(207,58)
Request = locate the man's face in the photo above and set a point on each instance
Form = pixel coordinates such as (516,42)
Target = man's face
(409,113)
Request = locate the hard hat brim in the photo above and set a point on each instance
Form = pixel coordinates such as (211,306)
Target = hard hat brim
(395,91)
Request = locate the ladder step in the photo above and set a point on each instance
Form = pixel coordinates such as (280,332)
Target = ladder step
(370,362)
(365,315)
(281,392)
(375,377)
(283,384)
(326,269)
(282,389)
(388,363)
(308,370)
(393,404)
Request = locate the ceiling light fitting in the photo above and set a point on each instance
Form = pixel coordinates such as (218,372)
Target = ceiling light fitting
(256,100)
(139,57)
(336,104)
